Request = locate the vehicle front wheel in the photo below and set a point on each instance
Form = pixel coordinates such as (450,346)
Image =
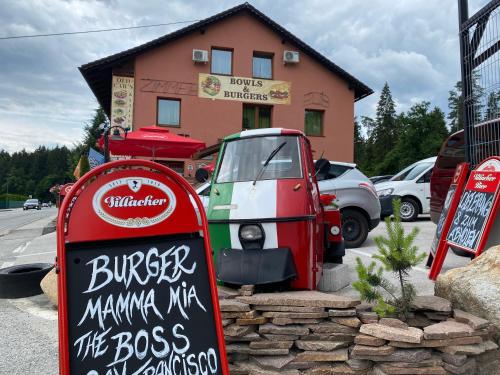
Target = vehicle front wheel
(408,209)
(354,228)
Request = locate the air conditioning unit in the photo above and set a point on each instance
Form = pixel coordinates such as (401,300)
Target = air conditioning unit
(290,57)
(200,55)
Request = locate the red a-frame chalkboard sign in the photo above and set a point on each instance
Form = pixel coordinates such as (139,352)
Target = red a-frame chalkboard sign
(475,213)
(137,291)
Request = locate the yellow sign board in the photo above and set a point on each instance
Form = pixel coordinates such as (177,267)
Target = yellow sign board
(122,101)
(244,89)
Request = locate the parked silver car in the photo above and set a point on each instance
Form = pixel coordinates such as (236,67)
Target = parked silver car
(357,199)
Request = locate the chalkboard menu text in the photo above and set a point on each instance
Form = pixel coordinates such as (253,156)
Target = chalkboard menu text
(474,210)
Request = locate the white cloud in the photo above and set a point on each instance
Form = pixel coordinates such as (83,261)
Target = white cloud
(412,44)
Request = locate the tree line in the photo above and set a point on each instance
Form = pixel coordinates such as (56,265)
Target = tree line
(24,174)
(382,145)
(391,141)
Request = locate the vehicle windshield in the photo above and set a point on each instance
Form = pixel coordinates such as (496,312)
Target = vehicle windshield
(32,201)
(412,172)
(244,158)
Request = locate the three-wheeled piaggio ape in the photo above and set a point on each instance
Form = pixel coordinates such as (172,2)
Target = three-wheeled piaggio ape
(268,223)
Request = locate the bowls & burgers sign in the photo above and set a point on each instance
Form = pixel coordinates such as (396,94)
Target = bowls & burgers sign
(134,202)
(265,91)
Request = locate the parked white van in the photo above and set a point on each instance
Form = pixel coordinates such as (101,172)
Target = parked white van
(413,186)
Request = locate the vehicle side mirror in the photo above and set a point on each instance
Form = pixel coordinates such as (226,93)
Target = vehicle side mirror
(322,167)
(201,175)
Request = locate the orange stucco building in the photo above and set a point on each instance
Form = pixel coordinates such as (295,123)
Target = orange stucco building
(233,71)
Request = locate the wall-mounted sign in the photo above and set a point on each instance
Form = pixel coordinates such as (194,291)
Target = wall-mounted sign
(244,89)
(122,101)
(160,86)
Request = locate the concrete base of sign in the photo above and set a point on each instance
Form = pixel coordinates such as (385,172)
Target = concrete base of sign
(335,277)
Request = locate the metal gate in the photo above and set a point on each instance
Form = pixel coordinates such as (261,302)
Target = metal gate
(480,66)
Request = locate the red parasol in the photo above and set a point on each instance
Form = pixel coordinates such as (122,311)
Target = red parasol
(155,142)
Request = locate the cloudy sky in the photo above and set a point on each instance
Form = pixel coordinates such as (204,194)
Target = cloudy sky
(411,44)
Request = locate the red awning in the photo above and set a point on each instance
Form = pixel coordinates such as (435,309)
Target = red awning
(155,142)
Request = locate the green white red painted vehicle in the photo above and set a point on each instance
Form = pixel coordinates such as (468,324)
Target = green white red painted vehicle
(267,221)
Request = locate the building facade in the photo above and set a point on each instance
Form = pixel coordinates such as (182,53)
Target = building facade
(234,71)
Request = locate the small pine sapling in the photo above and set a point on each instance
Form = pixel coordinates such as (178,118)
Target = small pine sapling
(399,255)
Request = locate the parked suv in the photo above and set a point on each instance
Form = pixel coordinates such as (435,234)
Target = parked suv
(356,198)
(412,185)
(32,203)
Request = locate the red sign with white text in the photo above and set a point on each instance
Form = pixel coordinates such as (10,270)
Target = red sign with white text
(137,288)
(134,202)
(475,214)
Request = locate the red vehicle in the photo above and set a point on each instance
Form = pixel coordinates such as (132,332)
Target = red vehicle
(451,154)
(268,223)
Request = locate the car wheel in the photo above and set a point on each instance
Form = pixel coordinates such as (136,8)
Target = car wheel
(354,228)
(23,280)
(336,260)
(408,209)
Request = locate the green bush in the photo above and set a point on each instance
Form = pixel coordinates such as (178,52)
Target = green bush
(13,197)
(398,255)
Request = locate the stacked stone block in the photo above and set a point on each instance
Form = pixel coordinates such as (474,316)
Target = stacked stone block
(313,333)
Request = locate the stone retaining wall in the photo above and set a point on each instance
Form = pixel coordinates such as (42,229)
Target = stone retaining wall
(314,333)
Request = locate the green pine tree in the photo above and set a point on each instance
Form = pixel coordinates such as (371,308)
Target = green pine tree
(455,108)
(398,255)
(359,143)
(383,133)
(492,106)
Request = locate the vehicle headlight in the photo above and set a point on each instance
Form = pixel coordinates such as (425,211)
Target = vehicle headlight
(385,192)
(334,230)
(251,232)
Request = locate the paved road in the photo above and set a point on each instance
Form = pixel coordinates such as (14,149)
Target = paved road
(17,229)
(16,218)
(28,326)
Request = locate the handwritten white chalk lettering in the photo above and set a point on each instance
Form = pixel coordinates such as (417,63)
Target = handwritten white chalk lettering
(124,291)
(477,202)
(184,300)
(168,266)
(473,209)
(123,306)
(93,342)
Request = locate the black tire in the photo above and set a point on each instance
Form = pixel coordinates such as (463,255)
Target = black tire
(337,260)
(409,209)
(23,280)
(354,228)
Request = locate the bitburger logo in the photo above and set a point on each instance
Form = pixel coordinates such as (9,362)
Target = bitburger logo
(135,202)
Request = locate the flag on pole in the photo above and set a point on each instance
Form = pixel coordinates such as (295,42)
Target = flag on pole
(95,158)
(77,171)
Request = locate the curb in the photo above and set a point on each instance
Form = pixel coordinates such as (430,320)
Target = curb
(48,228)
